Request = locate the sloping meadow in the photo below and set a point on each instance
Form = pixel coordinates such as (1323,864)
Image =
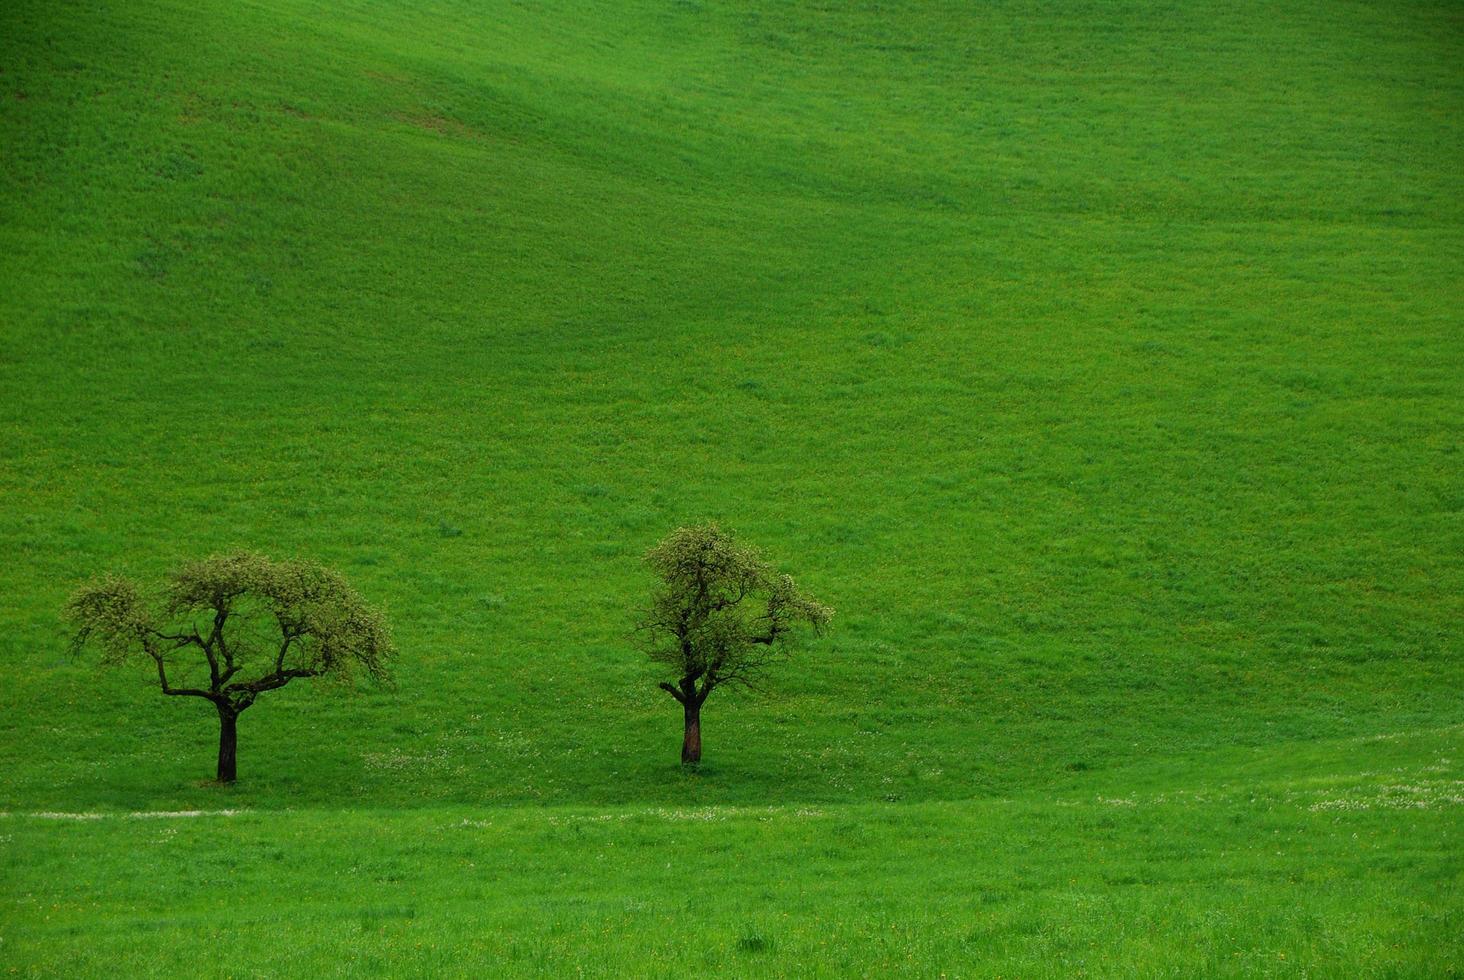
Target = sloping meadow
(1098,365)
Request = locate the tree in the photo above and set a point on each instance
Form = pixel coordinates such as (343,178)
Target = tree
(719,616)
(229,628)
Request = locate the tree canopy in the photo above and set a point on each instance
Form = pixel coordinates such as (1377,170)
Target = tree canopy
(719,615)
(230,627)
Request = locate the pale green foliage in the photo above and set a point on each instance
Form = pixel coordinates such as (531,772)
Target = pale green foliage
(720,613)
(253,624)
(337,632)
(111,612)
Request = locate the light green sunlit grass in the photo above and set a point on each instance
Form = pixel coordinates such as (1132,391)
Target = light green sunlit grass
(1331,875)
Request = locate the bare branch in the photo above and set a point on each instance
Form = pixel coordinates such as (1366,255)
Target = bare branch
(191,692)
(270,682)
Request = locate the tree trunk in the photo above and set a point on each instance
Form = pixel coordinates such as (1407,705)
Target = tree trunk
(228,743)
(691,743)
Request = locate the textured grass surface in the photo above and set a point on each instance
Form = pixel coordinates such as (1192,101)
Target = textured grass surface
(1100,364)
(1343,872)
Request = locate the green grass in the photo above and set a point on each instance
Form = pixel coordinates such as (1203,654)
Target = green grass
(1266,875)
(1101,363)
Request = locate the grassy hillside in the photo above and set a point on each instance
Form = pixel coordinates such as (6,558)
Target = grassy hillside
(1101,363)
